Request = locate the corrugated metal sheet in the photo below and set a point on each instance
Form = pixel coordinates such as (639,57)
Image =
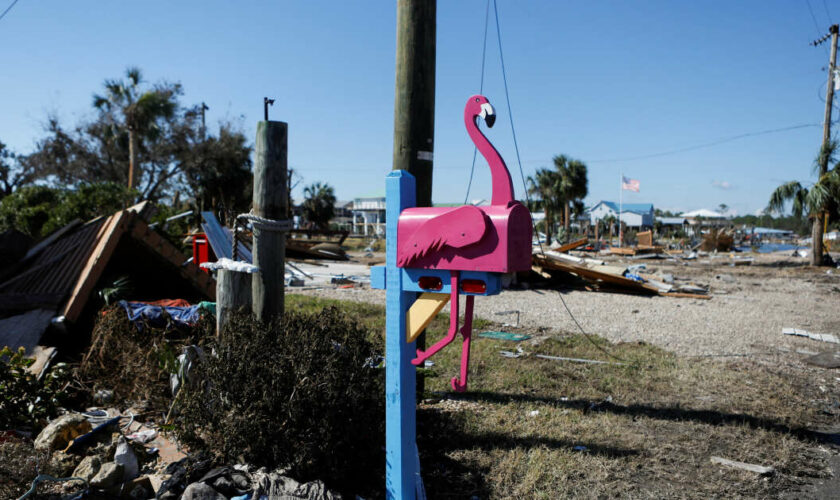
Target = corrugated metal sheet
(53,272)
(221,239)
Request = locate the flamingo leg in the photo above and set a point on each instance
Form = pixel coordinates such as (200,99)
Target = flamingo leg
(453,324)
(466,332)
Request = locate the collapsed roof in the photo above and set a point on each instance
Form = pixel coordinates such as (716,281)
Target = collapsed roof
(57,277)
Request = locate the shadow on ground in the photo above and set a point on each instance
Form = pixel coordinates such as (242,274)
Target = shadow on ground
(439,434)
(711,417)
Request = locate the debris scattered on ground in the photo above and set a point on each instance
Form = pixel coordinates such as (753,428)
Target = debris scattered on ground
(822,337)
(758,469)
(513,337)
(577,360)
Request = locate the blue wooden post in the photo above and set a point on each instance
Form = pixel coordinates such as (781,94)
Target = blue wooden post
(400,374)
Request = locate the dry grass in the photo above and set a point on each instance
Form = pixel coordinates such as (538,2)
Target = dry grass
(648,427)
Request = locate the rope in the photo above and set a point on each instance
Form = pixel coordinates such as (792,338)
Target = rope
(258,222)
(480,91)
(525,185)
(47,477)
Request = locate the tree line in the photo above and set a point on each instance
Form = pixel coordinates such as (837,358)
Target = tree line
(142,143)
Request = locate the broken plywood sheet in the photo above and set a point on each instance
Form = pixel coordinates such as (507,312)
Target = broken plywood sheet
(25,330)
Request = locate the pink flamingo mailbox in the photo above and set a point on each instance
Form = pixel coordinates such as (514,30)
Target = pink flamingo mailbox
(441,253)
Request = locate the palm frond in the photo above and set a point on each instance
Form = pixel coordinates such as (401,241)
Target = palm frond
(790,191)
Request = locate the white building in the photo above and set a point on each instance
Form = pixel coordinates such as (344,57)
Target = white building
(632,214)
(369,216)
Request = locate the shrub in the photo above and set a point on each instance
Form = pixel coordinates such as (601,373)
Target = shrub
(136,365)
(299,393)
(26,401)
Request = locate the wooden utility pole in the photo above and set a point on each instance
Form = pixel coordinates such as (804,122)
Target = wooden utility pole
(819,218)
(270,202)
(414,102)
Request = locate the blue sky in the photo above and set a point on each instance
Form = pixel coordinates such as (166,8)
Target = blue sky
(595,80)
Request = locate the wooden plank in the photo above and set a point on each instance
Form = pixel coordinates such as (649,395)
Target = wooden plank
(593,275)
(571,246)
(685,295)
(622,251)
(758,469)
(106,241)
(422,312)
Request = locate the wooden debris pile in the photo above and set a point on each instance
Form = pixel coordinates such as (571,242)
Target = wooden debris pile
(594,274)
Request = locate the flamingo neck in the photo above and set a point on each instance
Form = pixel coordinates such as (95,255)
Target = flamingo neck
(499,174)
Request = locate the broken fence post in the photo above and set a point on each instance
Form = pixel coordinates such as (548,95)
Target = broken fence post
(233,288)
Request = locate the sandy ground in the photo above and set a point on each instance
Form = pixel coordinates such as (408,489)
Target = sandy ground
(749,307)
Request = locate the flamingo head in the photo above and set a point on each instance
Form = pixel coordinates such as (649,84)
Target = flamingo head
(479,106)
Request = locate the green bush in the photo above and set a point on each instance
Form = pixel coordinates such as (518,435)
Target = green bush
(25,401)
(300,393)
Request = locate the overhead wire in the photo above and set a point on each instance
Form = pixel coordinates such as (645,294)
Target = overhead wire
(525,185)
(816,24)
(480,91)
(708,144)
(8,9)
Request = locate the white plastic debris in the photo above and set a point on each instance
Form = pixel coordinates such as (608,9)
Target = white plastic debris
(231,265)
(143,436)
(126,457)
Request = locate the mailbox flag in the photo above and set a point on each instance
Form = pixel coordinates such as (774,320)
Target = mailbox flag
(629,184)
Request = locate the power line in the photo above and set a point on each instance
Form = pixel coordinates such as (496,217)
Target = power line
(525,186)
(480,91)
(8,9)
(705,145)
(816,24)
(825,6)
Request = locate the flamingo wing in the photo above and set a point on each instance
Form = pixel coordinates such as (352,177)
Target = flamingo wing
(456,228)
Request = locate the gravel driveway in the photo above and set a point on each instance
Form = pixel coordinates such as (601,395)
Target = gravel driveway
(749,307)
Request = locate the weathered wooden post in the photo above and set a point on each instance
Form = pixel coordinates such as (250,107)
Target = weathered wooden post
(233,292)
(270,203)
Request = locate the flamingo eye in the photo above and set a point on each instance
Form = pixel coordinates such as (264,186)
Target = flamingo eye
(476,99)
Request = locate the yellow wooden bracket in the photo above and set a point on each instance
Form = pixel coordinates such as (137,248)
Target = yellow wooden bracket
(422,312)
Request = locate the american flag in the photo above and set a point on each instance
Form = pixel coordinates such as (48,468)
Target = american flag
(629,184)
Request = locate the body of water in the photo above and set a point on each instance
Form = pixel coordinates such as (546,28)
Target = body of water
(771,247)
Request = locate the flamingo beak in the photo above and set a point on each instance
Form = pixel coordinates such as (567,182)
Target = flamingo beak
(488,114)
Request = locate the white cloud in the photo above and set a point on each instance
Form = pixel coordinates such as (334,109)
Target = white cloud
(722,185)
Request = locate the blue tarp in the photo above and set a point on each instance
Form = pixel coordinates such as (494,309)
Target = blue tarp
(140,313)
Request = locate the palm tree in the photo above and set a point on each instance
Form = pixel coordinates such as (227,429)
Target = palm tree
(319,204)
(820,200)
(544,186)
(572,185)
(140,111)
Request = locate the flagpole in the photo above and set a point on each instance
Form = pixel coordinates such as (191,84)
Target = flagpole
(620,206)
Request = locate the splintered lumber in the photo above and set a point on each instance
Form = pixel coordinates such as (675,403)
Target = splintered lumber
(571,246)
(758,469)
(622,250)
(597,277)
